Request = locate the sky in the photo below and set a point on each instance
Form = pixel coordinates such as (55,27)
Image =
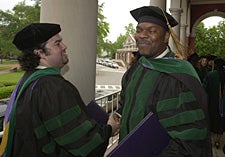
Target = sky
(117,13)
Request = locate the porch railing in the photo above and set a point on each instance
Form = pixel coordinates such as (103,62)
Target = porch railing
(110,103)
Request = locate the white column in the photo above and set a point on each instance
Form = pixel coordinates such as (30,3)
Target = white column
(176,13)
(188,16)
(183,34)
(78,20)
(159,3)
(183,23)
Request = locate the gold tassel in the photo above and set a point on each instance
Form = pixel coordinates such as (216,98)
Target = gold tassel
(181,50)
(4,139)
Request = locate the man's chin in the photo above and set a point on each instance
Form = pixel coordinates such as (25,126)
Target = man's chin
(143,53)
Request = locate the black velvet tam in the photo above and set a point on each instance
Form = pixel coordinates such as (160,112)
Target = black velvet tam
(153,14)
(35,34)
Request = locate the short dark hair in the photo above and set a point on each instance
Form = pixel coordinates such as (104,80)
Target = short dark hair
(28,60)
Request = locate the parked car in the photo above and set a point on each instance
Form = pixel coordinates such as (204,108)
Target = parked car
(114,65)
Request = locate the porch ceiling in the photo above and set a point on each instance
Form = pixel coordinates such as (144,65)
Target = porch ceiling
(206,1)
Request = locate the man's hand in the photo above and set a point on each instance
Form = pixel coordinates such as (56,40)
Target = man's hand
(114,121)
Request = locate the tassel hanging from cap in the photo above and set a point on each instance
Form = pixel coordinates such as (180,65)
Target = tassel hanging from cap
(181,50)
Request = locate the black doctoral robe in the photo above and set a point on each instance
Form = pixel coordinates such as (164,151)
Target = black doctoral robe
(51,120)
(171,89)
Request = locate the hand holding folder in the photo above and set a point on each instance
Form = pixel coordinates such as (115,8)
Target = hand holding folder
(147,139)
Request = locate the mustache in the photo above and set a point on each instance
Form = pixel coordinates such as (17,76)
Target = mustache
(143,42)
(146,42)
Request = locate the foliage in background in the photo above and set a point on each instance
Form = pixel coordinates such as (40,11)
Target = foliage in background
(5,92)
(4,68)
(8,82)
(11,78)
(118,44)
(107,46)
(211,40)
(103,31)
(13,21)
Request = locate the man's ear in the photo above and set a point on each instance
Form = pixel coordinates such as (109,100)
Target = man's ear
(166,37)
(39,52)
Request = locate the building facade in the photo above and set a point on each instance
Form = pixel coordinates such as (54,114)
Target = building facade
(125,54)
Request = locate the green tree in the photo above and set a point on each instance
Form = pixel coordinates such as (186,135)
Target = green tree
(13,21)
(130,29)
(118,44)
(103,31)
(210,41)
(221,40)
(200,40)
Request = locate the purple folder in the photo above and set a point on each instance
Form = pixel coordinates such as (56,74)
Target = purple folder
(97,113)
(147,139)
